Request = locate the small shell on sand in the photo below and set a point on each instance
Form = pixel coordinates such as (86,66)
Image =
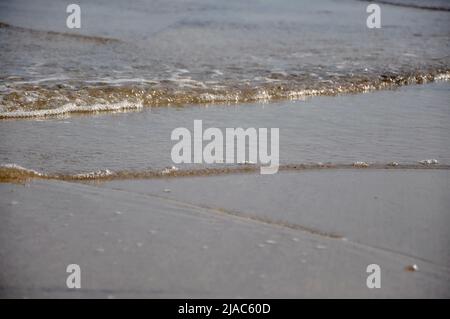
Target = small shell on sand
(412,268)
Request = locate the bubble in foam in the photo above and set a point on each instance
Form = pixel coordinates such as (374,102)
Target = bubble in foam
(429,162)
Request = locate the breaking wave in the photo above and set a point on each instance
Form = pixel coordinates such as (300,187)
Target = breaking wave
(30,100)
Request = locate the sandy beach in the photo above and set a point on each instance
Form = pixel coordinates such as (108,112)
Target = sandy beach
(297,235)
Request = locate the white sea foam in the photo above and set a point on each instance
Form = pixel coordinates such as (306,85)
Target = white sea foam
(73,108)
(21,168)
(429,162)
(92,175)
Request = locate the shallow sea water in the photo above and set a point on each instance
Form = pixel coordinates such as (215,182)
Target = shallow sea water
(158,65)
(405,125)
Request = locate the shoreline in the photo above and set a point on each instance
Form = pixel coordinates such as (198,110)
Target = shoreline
(12,173)
(225,149)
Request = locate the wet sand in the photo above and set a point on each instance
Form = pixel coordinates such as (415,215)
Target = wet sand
(293,235)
